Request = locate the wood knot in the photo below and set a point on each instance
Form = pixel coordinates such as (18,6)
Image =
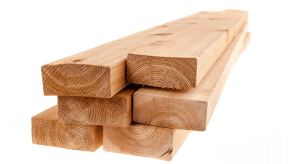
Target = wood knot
(157,43)
(162,34)
(163,26)
(77,60)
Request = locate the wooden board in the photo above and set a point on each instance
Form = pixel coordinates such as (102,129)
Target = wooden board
(143,140)
(47,130)
(100,72)
(182,60)
(115,111)
(188,109)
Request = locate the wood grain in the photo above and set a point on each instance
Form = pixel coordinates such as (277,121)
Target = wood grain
(115,111)
(100,72)
(183,59)
(188,109)
(47,130)
(143,140)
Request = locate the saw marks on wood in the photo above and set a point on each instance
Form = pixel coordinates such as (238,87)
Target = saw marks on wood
(47,130)
(181,60)
(143,140)
(115,111)
(189,109)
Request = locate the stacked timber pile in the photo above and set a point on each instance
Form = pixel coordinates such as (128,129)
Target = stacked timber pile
(144,93)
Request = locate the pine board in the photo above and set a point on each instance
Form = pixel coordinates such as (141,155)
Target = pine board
(144,140)
(114,111)
(100,72)
(188,109)
(181,60)
(47,130)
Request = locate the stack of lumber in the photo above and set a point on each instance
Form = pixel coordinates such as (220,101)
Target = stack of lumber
(144,93)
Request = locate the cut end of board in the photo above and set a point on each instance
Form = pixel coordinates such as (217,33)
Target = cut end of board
(94,111)
(114,111)
(164,72)
(47,130)
(144,140)
(168,112)
(76,80)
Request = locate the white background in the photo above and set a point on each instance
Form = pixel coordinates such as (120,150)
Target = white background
(251,123)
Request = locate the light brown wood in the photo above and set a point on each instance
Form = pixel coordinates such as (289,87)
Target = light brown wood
(144,140)
(181,60)
(188,109)
(100,72)
(47,130)
(115,111)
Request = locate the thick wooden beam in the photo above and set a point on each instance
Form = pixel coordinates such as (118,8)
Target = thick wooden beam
(100,72)
(47,130)
(188,109)
(182,60)
(144,140)
(115,111)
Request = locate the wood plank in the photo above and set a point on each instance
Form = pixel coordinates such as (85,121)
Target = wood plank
(144,140)
(100,72)
(47,130)
(182,60)
(188,109)
(115,111)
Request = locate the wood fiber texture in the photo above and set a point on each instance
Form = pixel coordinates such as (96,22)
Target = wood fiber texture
(101,71)
(47,130)
(114,111)
(181,60)
(144,140)
(188,109)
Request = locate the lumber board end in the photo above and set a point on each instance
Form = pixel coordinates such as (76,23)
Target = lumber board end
(114,111)
(163,72)
(155,107)
(76,80)
(47,130)
(143,140)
